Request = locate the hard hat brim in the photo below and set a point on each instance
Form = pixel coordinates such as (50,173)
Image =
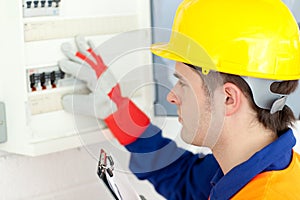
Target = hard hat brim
(162,50)
(201,59)
(180,53)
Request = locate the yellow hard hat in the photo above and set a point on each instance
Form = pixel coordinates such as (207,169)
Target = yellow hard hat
(256,38)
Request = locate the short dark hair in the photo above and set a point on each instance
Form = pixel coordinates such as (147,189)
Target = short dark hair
(278,122)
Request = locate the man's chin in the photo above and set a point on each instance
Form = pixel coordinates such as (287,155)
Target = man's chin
(192,139)
(188,137)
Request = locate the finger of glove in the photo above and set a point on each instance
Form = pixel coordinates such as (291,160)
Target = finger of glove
(94,53)
(88,56)
(98,106)
(81,72)
(83,47)
(70,52)
(86,49)
(91,44)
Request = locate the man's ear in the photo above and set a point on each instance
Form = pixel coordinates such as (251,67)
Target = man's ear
(233,96)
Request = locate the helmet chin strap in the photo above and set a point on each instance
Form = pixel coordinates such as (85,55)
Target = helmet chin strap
(263,96)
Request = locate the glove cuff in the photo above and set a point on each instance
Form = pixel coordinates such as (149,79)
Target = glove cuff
(128,122)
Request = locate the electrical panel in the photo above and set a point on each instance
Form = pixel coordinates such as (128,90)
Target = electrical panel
(32,83)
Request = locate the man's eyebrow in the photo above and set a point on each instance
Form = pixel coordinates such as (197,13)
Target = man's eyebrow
(178,76)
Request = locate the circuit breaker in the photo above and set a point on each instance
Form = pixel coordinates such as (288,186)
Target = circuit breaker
(41,8)
(32,84)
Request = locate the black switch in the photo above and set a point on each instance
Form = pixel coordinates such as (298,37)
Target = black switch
(43,3)
(61,74)
(43,80)
(32,79)
(53,79)
(28,4)
(56,3)
(50,3)
(36,3)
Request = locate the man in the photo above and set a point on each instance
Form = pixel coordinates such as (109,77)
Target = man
(237,62)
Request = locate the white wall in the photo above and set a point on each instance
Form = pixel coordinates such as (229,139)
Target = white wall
(294,6)
(61,176)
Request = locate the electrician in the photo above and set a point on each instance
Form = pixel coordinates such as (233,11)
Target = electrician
(237,64)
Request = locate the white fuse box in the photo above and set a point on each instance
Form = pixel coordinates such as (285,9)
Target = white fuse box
(32,84)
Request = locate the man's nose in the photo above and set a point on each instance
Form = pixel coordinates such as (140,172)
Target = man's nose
(172,98)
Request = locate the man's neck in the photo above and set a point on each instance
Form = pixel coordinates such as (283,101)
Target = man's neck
(238,145)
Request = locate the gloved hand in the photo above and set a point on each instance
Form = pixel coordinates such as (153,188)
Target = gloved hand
(125,120)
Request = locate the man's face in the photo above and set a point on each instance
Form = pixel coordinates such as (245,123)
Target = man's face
(193,106)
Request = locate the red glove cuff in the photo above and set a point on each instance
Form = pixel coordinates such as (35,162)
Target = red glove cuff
(128,122)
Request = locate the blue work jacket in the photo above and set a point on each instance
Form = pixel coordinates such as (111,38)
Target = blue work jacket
(179,174)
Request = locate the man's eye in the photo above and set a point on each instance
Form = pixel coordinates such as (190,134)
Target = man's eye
(181,83)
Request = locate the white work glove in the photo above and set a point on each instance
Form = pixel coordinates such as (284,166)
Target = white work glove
(125,120)
(86,104)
